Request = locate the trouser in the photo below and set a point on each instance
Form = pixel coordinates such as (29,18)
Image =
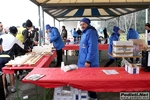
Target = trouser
(92,94)
(74,38)
(109,62)
(106,41)
(148,42)
(137,59)
(59,58)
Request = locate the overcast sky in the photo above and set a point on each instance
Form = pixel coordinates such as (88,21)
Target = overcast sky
(15,12)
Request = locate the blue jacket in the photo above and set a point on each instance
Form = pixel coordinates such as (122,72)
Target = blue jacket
(55,38)
(75,33)
(113,37)
(132,34)
(88,50)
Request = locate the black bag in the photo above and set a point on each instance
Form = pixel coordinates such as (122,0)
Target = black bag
(145,61)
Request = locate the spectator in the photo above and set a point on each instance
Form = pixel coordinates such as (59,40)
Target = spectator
(1,29)
(19,34)
(75,34)
(79,33)
(133,34)
(30,35)
(147,27)
(64,34)
(105,36)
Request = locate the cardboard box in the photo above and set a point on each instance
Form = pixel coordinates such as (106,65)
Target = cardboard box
(123,54)
(132,69)
(122,49)
(123,43)
(139,42)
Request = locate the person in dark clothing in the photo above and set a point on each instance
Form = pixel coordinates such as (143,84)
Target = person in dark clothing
(79,33)
(64,34)
(56,39)
(114,37)
(105,36)
(30,35)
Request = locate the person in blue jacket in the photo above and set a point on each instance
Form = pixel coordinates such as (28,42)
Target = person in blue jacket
(114,37)
(75,35)
(132,34)
(88,50)
(56,39)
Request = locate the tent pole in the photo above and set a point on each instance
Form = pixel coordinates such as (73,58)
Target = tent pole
(135,20)
(54,22)
(146,22)
(118,21)
(149,14)
(106,23)
(39,25)
(59,26)
(43,32)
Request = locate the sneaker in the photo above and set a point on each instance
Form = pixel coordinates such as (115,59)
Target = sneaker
(13,89)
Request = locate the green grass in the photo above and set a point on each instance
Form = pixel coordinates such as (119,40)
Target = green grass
(123,36)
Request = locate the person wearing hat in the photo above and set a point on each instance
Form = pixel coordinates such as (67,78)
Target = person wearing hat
(114,37)
(147,27)
(30,35)
(56,39)
(88,50)
(9,50)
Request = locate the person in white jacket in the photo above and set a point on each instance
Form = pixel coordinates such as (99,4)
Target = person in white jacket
(147,27)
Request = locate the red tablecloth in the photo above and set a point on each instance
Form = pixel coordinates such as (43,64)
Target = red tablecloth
(43,62)
(92,79)
(76,47)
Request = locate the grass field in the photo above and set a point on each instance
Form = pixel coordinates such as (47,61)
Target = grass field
(123,37)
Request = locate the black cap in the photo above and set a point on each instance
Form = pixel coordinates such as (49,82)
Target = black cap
(24,25)
(28,23)
(147,24)
(13,30)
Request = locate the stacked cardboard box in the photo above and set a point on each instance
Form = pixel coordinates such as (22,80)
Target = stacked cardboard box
(123,48)
(70,94)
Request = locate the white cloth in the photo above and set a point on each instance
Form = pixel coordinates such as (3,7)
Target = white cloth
(8,42)
(148,36)
(47,39)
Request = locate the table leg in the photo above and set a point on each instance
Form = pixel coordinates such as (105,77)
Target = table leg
(100,55)
(44,94)
(118,62)
(66,55)
(17,90)
(36,92)
(47,91)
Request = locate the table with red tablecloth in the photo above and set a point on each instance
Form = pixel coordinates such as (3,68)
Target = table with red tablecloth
(76,47)
(43,62)
(92,79)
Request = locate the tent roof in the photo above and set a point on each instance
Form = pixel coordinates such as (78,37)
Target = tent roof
(69,10)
